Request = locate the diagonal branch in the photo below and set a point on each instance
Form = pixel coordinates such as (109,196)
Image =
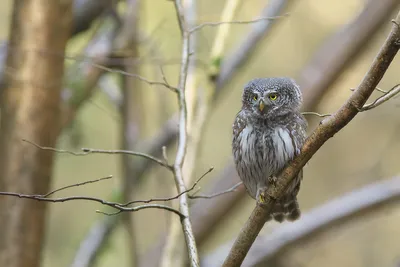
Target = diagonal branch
(338,211)
(326,129)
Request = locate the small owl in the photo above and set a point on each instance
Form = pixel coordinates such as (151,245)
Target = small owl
(268,132)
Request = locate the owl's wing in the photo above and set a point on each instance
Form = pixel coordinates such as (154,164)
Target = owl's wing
(297,131)
(239,124)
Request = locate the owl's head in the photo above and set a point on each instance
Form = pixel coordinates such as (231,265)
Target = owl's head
(266,97)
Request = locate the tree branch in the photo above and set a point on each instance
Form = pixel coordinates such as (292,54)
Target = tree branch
(228,69)
(339,211)
(229,22)
(382,99)
(118,206)
(87,151)
(182,142)
(229,190)
(321,134)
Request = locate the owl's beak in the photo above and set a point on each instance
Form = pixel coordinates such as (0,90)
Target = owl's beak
(261,106)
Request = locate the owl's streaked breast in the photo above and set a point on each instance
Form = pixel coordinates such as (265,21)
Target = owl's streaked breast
(262,152)
(284,146)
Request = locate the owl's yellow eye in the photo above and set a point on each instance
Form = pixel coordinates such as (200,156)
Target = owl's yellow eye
(273,97)
(255,97)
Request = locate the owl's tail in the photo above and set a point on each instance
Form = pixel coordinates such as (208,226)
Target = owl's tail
(286,208)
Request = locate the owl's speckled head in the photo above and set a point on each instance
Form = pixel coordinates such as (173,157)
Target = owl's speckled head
(272,96)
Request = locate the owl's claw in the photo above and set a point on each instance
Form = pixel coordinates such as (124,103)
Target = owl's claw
(261,199)
(272,180)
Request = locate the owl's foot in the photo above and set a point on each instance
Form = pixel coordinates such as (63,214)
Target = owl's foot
(272,180)
(261,195)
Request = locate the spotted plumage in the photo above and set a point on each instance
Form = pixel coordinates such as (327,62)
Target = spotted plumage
(268,132)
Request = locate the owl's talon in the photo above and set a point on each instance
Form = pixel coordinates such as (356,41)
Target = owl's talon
(272,180)
(261,198)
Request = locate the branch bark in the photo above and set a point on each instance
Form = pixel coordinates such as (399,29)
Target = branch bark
(321,134)
(30,109)
(353,205)
(172,238)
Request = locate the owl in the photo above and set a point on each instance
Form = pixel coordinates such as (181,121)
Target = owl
(268,132)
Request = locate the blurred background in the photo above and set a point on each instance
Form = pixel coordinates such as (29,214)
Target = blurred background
(327,46)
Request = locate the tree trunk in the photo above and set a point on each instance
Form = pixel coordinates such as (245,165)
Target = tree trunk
(30,109)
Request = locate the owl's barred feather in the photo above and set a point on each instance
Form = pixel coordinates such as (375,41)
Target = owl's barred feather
(267,133)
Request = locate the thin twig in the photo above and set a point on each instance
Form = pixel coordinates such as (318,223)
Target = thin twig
(377,89)
(170,198)
(316,114)
(125,73)
(87,151)
(215,24)
(229,190)
(78,184)
(382,99)
(325,130)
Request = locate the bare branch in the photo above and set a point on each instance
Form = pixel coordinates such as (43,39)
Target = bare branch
(87,151)
(325,130)
(182,141)
(230,190)
(382,99)
(78,184)
(170,198)
(216,24)
(127,152)
(316,114)
(338,211)
(114,205)
(125,73)
(377,89)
